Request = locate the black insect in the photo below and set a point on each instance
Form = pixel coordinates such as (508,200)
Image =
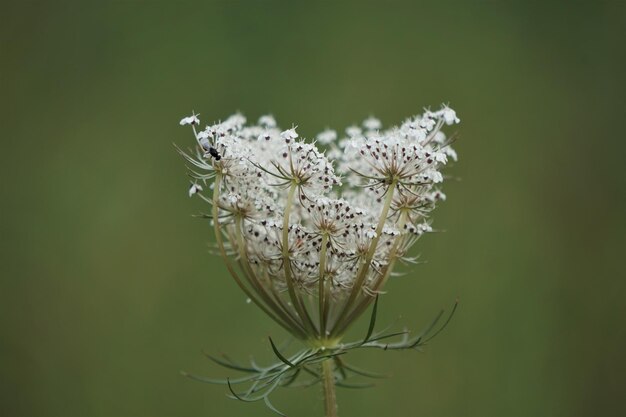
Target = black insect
(214,153)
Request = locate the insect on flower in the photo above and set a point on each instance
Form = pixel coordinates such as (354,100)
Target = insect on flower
(213,152)
(312,235)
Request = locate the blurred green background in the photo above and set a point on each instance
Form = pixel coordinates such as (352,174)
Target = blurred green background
(107,290)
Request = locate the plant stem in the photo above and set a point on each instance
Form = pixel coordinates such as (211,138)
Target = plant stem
(281,312)
(321,291)
(293,291)
(365,265)
(380,281)
(328,383)
(233,273)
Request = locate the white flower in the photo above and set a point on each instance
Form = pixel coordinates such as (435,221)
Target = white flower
(449,116)
(195,188)
(439,137)
(352,211)
(451,153)
(190,120)
(203,135)
(289,134)
(233,198)
(435,195)
(427,122)
(372,123)
(433,176)
(441,157)
(267,121)
(391,231)
(353,131)
(327,137)
(236,120)
(418,229)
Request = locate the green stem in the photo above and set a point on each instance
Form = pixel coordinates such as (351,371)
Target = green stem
(293,294)
(233,273)
(254,281)
(322,290)
(380,282)
(328,384)
(362,272)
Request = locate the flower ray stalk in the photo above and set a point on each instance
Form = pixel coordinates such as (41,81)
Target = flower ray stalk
(356,289)
(279,308)
(379,283)
(231,270)
(294,294)
(322,287)
(312,232)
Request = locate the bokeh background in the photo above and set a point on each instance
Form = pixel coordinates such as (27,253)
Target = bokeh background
(107,290)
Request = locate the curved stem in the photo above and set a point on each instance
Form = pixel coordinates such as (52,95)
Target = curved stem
(365,266)
(293,294)
(229,266)
(322,290)
(243,254)
(380,282)
(328,384)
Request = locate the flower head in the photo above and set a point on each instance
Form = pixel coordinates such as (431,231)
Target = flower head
(304,224)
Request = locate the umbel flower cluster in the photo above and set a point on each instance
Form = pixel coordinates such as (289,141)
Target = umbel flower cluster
(311,230)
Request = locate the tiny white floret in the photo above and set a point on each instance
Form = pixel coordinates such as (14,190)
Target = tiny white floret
(370,234)
(449,116)
(190,120)
(289,134)
(372,123)
(267,121)
(353,131)
(194,189)
(233,198)
(327,137)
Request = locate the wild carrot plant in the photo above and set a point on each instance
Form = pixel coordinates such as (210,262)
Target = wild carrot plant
(311,232)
